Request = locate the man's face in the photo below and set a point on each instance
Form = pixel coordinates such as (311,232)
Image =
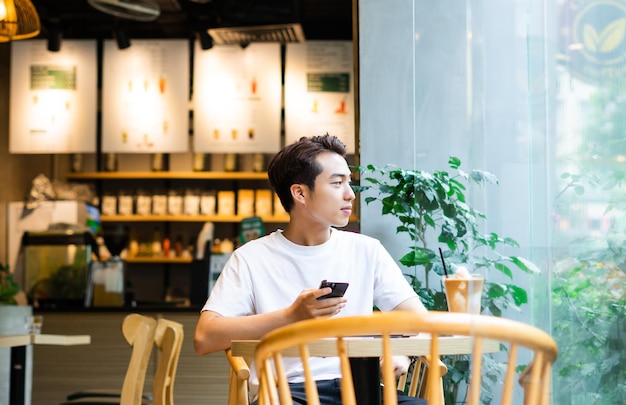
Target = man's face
(331,201)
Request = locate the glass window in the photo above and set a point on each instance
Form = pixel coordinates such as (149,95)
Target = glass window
(533,91)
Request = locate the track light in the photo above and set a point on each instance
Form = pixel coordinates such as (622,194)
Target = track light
(121,37)
(206,42)
(55,35)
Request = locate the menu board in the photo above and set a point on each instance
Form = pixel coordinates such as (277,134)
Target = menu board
(237,99)
(145,97)
(319,91)
(53,107)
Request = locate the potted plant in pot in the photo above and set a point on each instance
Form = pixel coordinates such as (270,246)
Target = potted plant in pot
(13,316)
(432,209)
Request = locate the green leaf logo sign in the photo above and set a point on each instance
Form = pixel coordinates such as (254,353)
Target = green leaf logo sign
(600,31)
(606,41)
(594,38)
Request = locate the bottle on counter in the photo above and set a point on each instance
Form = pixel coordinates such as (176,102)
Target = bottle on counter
(230,162)
(199,163)
(110,162)
(178,246)
(166,247)
(156,243)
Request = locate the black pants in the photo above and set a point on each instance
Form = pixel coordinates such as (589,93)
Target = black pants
(330,394)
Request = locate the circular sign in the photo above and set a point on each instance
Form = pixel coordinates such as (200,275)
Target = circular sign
(594,33)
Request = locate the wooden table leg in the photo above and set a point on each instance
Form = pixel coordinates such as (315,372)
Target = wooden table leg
(366,378)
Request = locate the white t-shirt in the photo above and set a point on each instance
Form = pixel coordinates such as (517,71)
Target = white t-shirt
(268,274)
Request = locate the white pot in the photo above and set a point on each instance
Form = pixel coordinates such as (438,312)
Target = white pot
(13,319)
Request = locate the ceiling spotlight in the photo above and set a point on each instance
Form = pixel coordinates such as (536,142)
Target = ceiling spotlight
(206,42)
(55,35)
(244,44)
(121,37)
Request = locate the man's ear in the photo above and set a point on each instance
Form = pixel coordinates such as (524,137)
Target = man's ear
(297,192)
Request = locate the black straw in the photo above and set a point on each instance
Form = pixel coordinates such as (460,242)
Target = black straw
(445,270)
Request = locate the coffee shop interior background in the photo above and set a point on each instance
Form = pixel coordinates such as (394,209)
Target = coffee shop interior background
(184,19)
(199,379)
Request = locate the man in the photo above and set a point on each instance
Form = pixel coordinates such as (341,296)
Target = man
(274,280)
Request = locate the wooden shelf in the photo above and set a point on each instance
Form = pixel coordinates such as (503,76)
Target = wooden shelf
(167,175)
(187,218)
(158,259)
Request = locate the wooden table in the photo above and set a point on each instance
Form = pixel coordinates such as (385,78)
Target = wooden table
(18,344)
(371,346)
(364,353)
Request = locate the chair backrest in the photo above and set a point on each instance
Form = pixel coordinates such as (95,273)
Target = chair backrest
(139,331)
(274,388)
(169,341)
(238,377)
(415,381)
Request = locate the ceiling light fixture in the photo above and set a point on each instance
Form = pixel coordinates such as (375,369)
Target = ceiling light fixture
(206,42)
(55,35)
(282,33)
(121,37)
(139,10)
(18,20)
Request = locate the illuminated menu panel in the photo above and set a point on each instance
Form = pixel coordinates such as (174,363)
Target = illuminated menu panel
(53,103)
(237,96)
(145,97)
(319,91)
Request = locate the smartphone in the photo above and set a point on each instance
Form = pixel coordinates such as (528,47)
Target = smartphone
(339,289)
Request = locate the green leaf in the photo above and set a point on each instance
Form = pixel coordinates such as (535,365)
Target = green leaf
(525,265)
(496,291)
(370,199)
(481,176)
(518,294)
(454,162)
(414,258)
(504,269)
(359,189)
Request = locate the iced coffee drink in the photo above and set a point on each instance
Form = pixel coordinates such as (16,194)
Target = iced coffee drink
(463,291)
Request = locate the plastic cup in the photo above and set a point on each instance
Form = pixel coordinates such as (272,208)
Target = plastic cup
(34,324)
(463,294)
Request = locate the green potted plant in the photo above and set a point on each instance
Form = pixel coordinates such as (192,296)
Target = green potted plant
(432,209)
(8,287)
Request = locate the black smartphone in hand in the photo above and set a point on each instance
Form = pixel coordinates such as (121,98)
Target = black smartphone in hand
(339,289)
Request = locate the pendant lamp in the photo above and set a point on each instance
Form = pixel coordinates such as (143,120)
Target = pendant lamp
(18,20)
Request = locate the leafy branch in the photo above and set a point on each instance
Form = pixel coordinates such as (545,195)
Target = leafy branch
(8,286)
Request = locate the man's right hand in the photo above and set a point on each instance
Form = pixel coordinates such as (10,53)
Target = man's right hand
(307,306)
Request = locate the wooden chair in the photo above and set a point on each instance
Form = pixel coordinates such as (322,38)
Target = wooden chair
(139,331)
(417,378)
(168,340)
(273,383)
(239,375)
